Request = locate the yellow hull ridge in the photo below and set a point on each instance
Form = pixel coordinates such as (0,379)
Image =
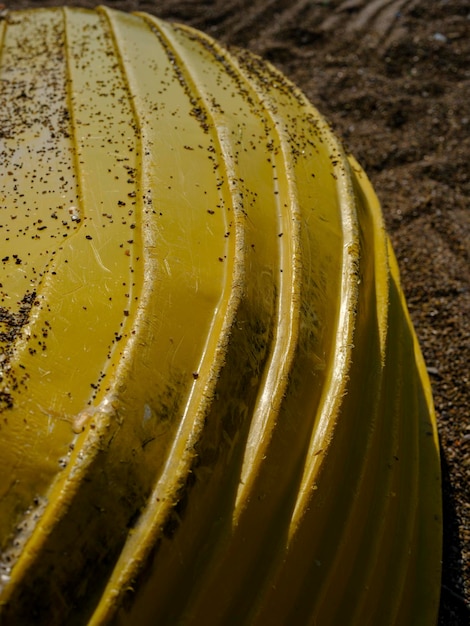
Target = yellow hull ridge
(213,407)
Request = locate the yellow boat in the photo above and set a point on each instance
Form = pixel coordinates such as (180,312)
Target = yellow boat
(214,409)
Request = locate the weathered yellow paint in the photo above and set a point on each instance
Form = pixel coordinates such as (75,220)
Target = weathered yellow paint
(213,408)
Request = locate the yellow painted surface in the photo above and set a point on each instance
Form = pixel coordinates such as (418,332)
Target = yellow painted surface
(213,408)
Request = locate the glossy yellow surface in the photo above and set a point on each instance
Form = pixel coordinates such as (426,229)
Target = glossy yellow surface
(213,406)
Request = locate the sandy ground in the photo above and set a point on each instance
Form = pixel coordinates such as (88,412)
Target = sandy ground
(393,78)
